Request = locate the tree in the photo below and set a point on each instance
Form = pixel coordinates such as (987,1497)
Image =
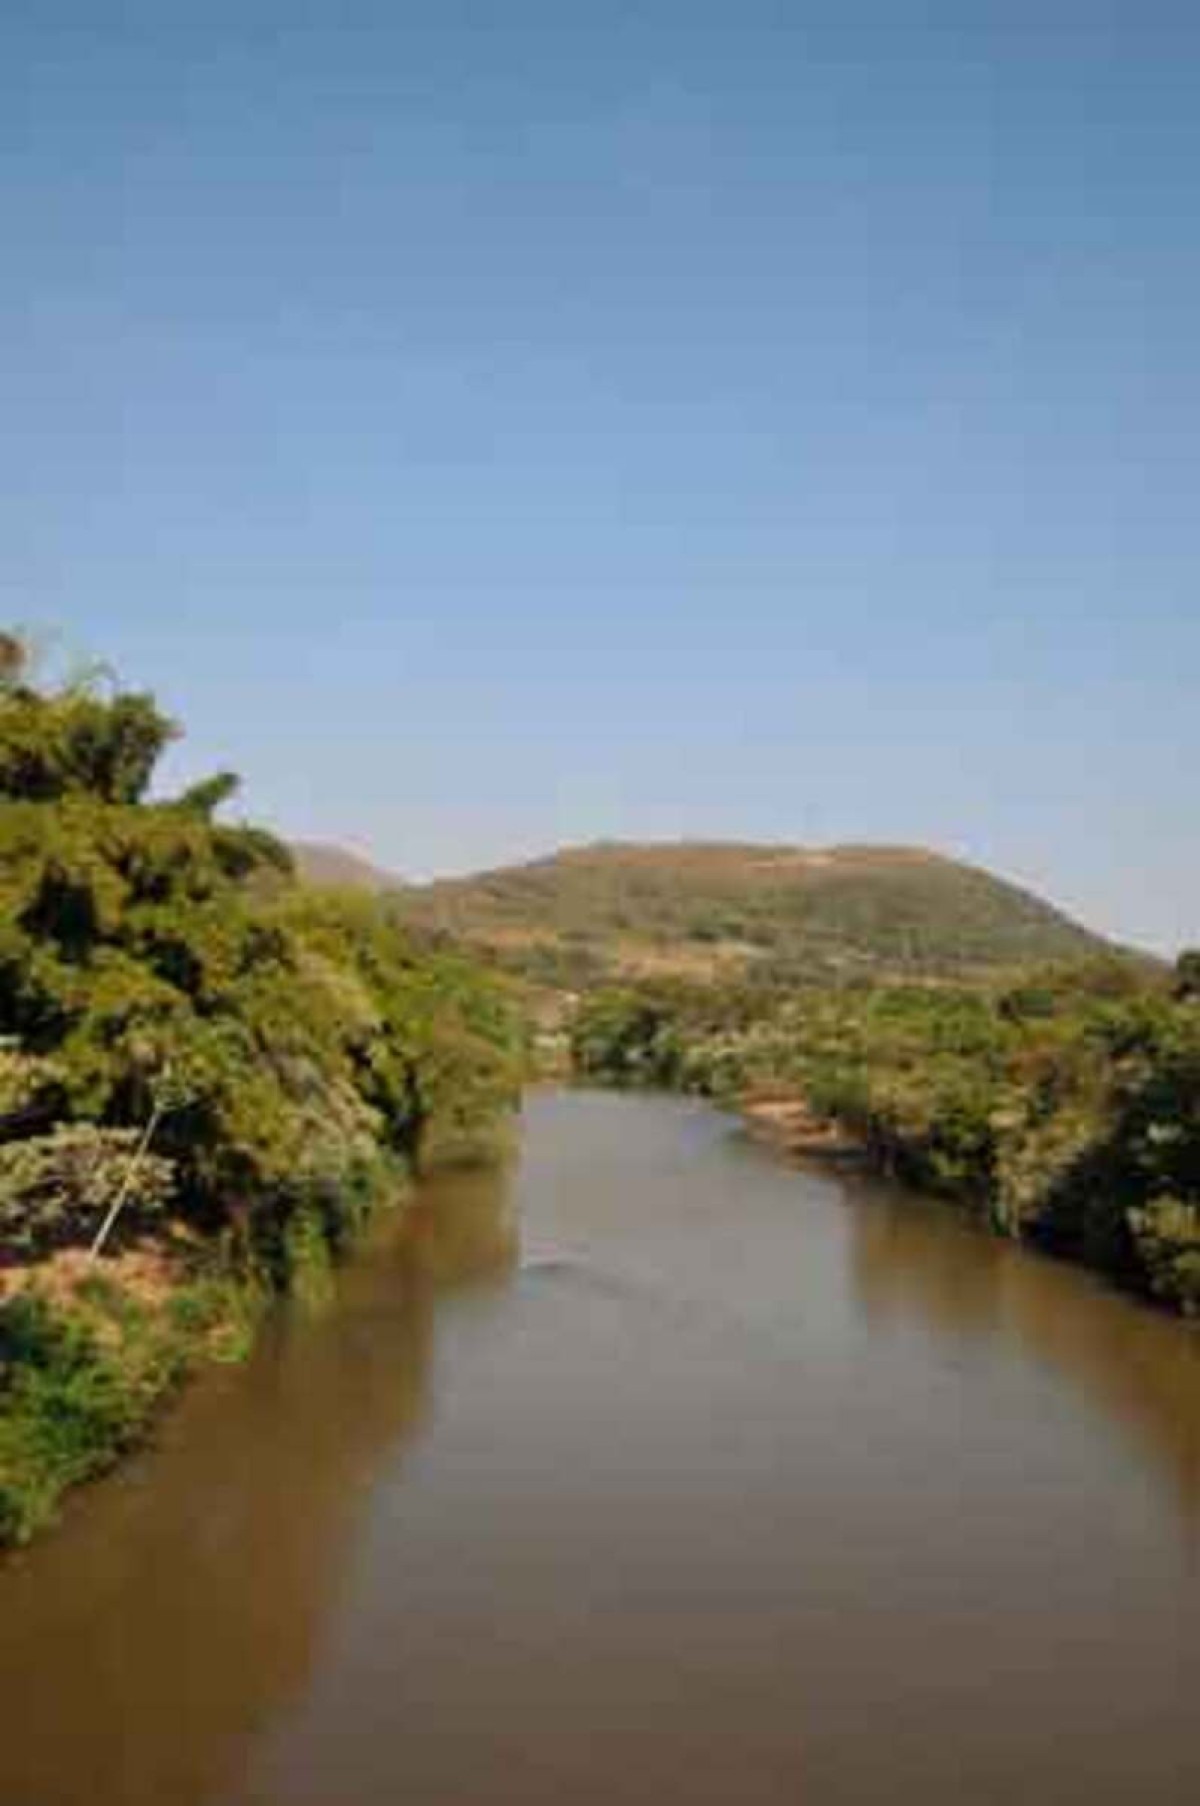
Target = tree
(307,1042)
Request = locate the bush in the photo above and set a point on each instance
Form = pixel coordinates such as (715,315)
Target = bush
(56,1189)
(76,1388)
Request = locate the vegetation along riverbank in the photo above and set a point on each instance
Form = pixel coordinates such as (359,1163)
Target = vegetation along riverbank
(1060,1107)
(209,1076)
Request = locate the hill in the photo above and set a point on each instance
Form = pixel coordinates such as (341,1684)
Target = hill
(699,908)
(334,868)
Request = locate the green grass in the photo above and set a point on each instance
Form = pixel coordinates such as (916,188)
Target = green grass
(80,1380)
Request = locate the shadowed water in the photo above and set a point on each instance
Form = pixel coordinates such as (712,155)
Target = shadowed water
(656,1468)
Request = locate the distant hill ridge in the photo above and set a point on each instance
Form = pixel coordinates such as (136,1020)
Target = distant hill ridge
(338,869)
(699,906)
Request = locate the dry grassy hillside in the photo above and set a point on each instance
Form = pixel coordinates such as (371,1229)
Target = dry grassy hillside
(700,908)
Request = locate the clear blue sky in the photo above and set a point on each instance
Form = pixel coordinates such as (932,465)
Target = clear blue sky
(492,425)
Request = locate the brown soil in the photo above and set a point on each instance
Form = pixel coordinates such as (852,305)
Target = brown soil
(147,1273)
(788,1123)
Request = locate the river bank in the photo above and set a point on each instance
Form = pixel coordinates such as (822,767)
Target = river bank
(90,1354)
(790,1125)
(1059,1109)
(94,1352)
(211,1077)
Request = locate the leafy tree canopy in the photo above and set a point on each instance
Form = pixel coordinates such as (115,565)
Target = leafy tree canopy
(308,1040)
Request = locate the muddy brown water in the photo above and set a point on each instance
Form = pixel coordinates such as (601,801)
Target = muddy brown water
(653,1470)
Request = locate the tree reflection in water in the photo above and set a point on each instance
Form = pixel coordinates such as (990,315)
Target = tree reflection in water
(914,1256)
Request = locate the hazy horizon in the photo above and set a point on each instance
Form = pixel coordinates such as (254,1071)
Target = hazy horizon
(490,433)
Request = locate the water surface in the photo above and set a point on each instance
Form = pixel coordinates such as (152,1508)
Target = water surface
(653,1469)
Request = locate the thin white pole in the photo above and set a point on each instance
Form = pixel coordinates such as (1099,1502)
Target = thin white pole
(136,1159)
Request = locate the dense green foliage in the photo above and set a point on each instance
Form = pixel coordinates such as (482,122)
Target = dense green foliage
(67,1405)
(1063,1110)
(712,908)
(288,1053)
(628,1037)
(79,1381)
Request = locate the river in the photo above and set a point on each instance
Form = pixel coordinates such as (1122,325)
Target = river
(654,1468)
